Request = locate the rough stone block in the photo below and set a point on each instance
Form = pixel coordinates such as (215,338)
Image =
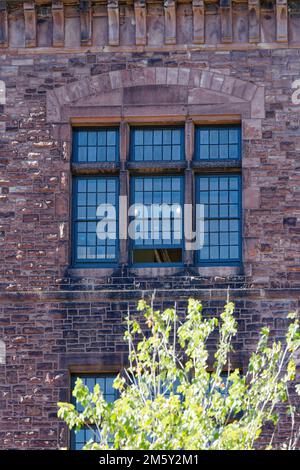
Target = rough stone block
(252,129)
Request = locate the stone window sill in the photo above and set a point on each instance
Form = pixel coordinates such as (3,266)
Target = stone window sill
(159,271)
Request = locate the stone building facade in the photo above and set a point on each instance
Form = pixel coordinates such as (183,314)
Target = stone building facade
(83,66)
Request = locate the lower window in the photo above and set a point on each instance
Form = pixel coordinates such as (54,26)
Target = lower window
(105,381)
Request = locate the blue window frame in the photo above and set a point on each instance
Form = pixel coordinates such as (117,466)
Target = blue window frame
(158,235)
(221,197)
(218,142)
(105,381)
(96,145)
(157,144)
(95,239)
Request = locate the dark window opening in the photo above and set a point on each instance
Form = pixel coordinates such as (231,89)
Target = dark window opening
(158,255)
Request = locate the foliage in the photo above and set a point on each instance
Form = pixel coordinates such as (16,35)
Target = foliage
(169,399)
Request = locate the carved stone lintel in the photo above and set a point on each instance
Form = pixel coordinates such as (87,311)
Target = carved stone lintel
(58,23)
(198,22)
(30,24)
(140,11)
(113,22)
(170,21)
(226,20)
(85,22)
(254,20)
(3,24)
(282,21)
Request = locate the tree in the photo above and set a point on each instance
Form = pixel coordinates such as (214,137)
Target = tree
(170,399)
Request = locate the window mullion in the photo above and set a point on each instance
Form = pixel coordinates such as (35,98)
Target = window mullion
(188,188)
(124,193)
(188,221)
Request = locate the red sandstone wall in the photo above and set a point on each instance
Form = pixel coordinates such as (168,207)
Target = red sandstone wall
(35,163)
(55,320)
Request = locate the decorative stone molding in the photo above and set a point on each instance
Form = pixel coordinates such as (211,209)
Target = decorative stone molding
(170,21)
(198,22)
(226,20)
(217,23)
(86,22)
(254,20)
(140,11)
(113,22)
(30,24)
(282,21)
(58,23)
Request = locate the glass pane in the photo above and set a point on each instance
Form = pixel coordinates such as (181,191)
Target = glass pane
(96,145)
(94,230)
(82,154)
(167,152)
(92,138)
(224,151)
(204,152)
(154,191)
(148,138)
(176,137)
(157,144)
(157,137)
(221,199)
(214,137)
(157,155)
(138,137)
(218,142)
(233,151)
(102,138)
(92,154)
(233,136)
(139,153)
(82,138)
(167,137)
(110,154)
(204,137)
(223,136)
(176,152)
(111,138)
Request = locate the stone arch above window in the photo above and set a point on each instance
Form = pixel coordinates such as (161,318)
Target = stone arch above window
(190,91)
